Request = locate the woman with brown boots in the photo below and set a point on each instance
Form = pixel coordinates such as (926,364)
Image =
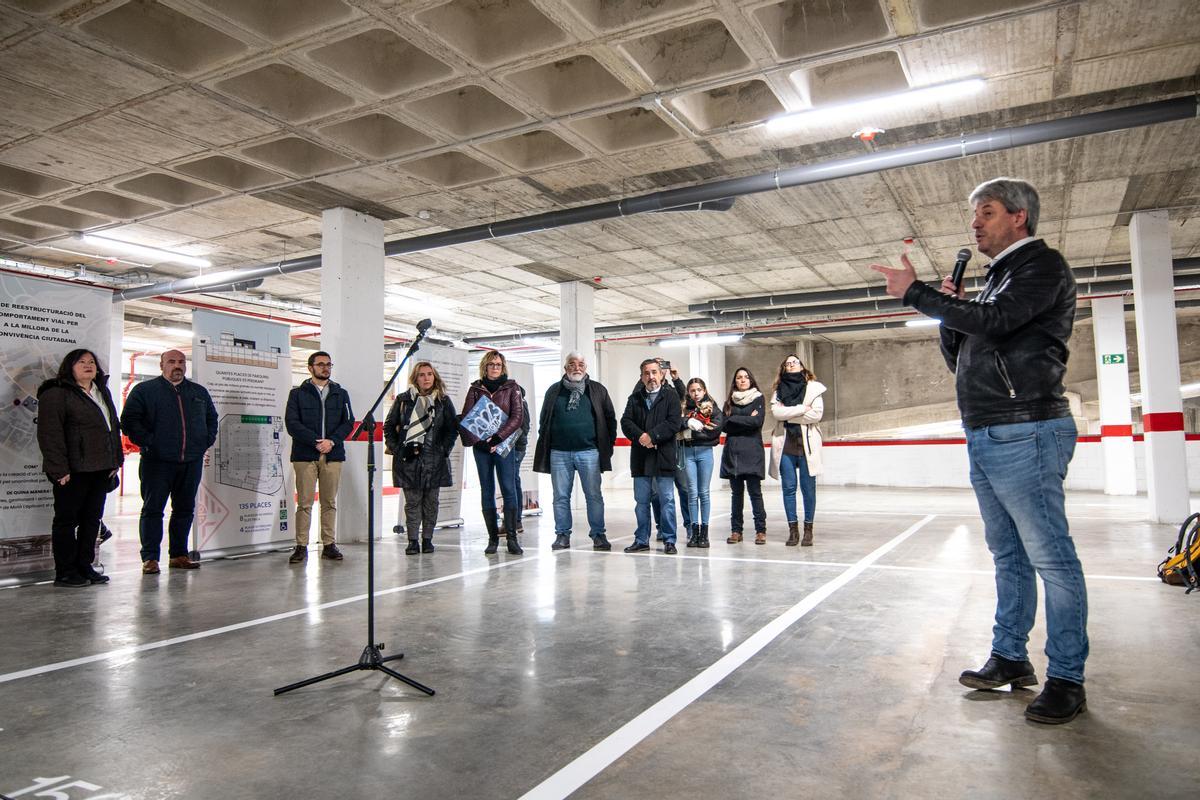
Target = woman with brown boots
(797,407)
(743,463)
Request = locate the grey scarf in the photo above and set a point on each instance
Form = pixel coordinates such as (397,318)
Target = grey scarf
(422,417)
(576,389)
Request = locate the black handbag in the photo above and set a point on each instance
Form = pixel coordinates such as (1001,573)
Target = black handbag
(114,482)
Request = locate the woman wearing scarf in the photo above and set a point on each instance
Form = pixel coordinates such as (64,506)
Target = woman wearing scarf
(743,463)
(493,467)
(420,432)
(797,407)
(80,438)
(702,419)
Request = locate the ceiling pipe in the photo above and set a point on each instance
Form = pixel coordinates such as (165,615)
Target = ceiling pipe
(738,304)
(1116,119)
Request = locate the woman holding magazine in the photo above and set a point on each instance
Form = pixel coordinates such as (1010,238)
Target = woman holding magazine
(494,455)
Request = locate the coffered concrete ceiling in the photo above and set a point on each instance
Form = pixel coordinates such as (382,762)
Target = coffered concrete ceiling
(223,127)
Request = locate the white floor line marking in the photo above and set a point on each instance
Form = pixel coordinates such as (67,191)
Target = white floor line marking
(594,761)
(237,626)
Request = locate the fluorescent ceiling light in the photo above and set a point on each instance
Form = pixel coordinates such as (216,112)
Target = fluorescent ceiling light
(928,322)
(928,95)
(687,341)
(154,255)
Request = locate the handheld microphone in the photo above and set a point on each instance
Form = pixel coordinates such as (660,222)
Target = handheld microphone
(425,324)
(960,268)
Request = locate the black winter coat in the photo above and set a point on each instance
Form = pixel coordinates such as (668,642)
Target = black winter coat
(432,468)
(170,423)
(602,411)
(744,456)
(1007,346)
(662,421)
(303,419)
(72,433)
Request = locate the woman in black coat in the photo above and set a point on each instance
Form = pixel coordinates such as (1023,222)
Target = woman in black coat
(79,434)
(420,432)
(743,463)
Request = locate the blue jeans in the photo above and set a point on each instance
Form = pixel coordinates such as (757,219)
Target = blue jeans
(789,467)
(492,466)
(1017,471)
(698,461)
(162,480)
(663,497)
(681,486)
(563,466)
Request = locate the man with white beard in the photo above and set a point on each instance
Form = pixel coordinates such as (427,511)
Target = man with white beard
(576,434)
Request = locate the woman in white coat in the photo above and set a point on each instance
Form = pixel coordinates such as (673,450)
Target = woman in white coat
(797,407)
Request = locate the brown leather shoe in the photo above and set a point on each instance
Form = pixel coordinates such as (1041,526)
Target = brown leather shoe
(735,537)
(760,537)
(183,562)
(150,567)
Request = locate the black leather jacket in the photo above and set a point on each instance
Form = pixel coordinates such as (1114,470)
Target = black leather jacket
(1008,345)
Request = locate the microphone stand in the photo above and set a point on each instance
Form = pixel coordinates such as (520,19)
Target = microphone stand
(372,657)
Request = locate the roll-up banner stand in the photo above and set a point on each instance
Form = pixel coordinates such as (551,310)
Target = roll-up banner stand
(523,374)
(246,495)
(40,322)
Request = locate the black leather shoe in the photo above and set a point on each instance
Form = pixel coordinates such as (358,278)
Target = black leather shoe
(427,545)
(561,542)
(637,547)
(331,552)
(92,576)
(1060,701)
(997,672)
(601,543)
(71,581)
(413,548)
(669,548)
(299,554)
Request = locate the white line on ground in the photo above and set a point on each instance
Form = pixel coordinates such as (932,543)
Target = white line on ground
(587,766)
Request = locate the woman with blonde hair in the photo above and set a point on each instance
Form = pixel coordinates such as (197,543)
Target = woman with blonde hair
(797,407)
(420,432)
(495,467)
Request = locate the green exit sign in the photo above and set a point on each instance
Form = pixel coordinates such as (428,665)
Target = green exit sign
(1113,358)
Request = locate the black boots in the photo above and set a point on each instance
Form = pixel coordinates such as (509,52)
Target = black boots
(493,529)
(1060,701)
(807,540)
(510,532)
(562,541)
(999,671)
(793,534)
(413,548)
(693,536)
(703,541)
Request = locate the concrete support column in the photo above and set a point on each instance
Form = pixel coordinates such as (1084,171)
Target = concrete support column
(352,291)
(707,361)
(577,331)
(1158,364)
(114,364)
(1112,375)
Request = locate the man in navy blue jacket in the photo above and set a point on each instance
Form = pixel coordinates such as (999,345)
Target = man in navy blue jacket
(174,422)
(319,419)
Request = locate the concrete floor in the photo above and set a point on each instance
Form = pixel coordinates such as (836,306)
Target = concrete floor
(742,671)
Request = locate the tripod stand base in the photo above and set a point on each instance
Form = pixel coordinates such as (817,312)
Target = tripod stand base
(371,658)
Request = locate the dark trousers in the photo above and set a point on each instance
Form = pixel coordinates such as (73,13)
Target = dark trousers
(178,482)
(78,507)
(754,487)
(421,512)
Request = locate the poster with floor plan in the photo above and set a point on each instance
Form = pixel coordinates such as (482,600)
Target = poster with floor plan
(245,500)
(40,322)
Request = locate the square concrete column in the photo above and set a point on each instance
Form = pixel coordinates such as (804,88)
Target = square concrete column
(1158,364)
(115,361)
(352,292)
(577,329)
(707,361)
(1112,377)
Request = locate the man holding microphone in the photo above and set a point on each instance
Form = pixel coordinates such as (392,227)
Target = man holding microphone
(1008,349)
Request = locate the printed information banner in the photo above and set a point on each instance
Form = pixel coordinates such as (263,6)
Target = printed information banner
(451,364)
(245,498)
(40,322)
(523,374)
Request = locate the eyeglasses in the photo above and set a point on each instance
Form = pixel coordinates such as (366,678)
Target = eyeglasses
(322,363)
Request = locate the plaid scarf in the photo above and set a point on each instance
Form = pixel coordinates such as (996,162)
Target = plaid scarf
(421,419)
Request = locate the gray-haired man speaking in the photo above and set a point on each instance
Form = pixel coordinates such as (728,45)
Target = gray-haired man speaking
(576,434)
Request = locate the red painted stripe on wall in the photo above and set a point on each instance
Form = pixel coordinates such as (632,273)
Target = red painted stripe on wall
(1163,422)
(1116,430)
